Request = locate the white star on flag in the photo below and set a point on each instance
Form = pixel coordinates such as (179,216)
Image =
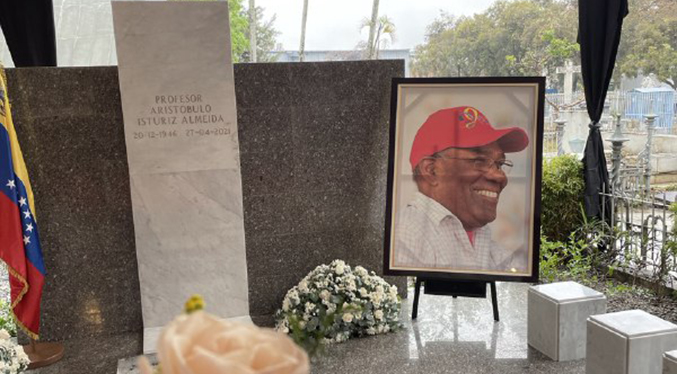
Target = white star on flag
(10,183)
(22,201)
(27,214)
(27,240)
(29,227)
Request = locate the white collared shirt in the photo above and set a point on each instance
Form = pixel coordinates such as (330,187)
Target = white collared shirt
(428,235)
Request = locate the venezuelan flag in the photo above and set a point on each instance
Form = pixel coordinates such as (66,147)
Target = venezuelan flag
(19,240)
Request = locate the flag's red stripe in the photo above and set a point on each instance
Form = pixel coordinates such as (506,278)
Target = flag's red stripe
(11,237)
(13,253)
(28,310)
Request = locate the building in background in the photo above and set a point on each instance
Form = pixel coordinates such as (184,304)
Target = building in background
(346,55)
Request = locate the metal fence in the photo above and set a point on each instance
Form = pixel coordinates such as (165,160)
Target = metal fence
(641,228)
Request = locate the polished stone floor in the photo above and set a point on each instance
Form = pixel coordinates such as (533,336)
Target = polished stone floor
(449,336)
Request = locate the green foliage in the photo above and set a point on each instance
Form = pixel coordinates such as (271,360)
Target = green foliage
(669,250)
(533,37)
(266,38)
(384,27)
(519,37)
(614,289)
(239,26)
(579,255)
(561,197)
(649,40)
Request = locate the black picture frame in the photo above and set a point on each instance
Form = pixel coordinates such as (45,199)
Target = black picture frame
(495,87)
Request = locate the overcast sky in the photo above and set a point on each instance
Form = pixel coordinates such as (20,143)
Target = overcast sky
(334,24)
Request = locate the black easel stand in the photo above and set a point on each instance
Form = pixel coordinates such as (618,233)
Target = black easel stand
(455,289)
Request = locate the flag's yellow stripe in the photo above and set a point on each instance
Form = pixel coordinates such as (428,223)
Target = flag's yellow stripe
(17,158)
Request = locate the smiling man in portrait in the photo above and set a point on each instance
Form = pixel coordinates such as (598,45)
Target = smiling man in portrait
(460,168)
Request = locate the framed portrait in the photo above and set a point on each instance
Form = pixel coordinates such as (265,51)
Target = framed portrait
(464,178)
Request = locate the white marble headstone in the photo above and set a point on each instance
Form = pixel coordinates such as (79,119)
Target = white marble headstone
(178,102)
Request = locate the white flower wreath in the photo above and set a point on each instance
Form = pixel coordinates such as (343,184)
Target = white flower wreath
(335,302)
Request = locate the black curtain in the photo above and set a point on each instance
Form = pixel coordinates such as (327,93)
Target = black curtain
(599,32)
(28,27)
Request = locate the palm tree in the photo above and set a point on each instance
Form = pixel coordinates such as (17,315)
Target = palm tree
(303,31)
(382,27)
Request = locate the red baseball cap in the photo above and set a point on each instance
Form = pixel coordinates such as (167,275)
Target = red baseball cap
(462,127)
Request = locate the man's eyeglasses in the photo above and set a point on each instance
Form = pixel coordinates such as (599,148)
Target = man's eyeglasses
(484,164)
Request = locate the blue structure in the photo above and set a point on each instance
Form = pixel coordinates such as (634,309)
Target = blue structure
(660,100)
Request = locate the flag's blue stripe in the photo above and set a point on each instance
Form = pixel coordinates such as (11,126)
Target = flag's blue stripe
(32,249)
(6,166)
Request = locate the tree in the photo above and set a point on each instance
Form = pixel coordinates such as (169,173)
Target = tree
(649,41)
(384,27)
(533,37)
(266,38)
(519,37)
(239,25)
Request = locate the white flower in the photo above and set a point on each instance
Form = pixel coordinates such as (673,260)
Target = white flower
(356,286)
(285,304)
(293,296)
(4,335)
(362,272)
(310,307)
(340,267)
(376,298)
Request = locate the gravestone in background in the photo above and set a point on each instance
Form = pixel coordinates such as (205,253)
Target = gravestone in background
(178,104)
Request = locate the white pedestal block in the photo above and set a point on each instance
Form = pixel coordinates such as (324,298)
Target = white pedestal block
(628,342)
(670,362)
(557,314)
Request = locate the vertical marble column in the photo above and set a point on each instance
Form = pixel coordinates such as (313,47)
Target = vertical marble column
(178,102)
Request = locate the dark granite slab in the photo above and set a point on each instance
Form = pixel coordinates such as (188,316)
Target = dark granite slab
(314,156)
(69,124)
(313,140)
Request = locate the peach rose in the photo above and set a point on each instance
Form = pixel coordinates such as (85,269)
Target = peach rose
(199,343)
